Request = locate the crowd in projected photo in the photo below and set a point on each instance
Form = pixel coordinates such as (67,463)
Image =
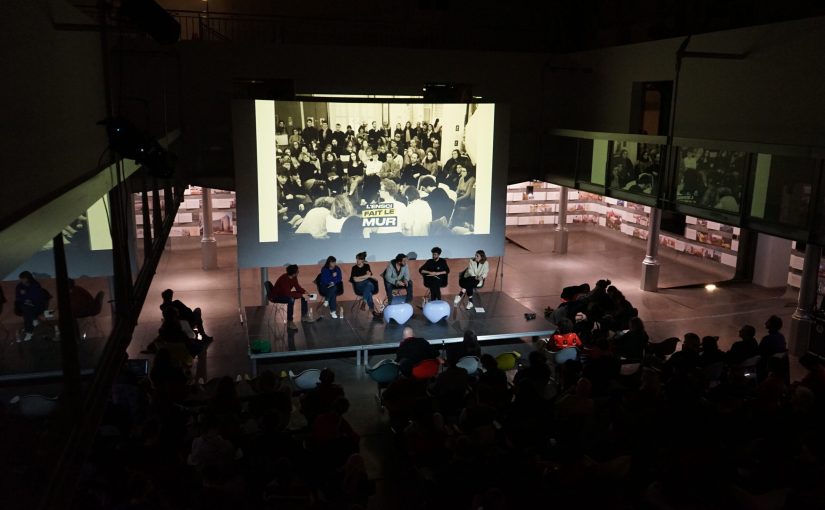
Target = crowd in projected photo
(374,179)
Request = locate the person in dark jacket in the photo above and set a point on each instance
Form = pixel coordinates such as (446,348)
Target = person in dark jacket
(412,350)
(746,347)
(193,317)
(30,301)
(435,273)
(310,133)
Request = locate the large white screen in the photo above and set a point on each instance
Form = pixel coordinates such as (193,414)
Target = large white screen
(367,170)
(327,174)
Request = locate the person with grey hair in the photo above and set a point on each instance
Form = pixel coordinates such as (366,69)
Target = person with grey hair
(413,350)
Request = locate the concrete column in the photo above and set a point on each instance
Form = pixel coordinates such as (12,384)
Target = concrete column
(560,246)
(650,265)
(770,268)
(209,246)
(803,318)
(264,278)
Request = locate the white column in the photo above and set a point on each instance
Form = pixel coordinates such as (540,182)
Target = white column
(209,246)
(560,246)
(803,318)
(650,265)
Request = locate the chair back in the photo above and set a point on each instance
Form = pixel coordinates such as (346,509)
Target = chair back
(34,406)
(384,372)
(750,362)
(713,373)
(306,380)
(469,363)
(507,360)
(629,369)
(268,289)
(426,369)
(98,306)
(664,348)
(567,354)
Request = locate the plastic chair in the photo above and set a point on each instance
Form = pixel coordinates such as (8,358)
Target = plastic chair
(426,369)
(749,368)
(93,313)
(507,360)
(664,348)
(566,354)
(34,406)
(383,373)
(400,313)
(306,380)
(469,363)
(629,369)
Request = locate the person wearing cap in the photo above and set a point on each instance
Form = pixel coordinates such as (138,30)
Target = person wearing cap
(397,277)
(435,273)
(287,290)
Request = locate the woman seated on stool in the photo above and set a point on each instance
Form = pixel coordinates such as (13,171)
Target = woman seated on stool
(331,279)
(472,277)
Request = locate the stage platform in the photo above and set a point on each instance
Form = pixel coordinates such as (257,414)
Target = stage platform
(357,332)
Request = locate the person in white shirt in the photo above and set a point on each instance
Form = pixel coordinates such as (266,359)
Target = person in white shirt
(418,215)
(373,165)
(472,278)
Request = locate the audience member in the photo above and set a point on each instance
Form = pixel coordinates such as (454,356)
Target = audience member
(774,341)
(412,350)
(745,348)
(193,317)
(83,304)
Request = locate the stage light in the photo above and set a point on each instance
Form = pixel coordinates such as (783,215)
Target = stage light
(710,287)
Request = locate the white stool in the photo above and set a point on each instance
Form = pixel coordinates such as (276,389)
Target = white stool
(436,310)
(400,313)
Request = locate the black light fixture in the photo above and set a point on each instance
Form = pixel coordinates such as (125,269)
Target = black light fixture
(130,143)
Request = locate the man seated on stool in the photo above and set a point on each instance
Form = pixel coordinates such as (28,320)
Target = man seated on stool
(193,317)
(397,277)
(435,273)
(412,351)
(287,290)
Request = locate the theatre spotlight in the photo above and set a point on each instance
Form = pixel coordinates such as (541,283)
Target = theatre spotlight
(151,18)
(130,143)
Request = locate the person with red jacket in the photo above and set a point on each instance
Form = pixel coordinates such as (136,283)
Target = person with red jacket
(287,290)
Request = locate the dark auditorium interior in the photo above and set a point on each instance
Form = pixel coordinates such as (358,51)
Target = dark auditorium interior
(412,255)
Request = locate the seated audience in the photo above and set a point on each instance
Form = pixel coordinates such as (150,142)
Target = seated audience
(774,342)
(320,399)
(467,347)
(631,345)
(745,348)
(193,317)
(412,350)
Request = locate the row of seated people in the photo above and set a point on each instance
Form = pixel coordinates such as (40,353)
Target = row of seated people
(428,135)
(663,437)
(401,164)
(396,278)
